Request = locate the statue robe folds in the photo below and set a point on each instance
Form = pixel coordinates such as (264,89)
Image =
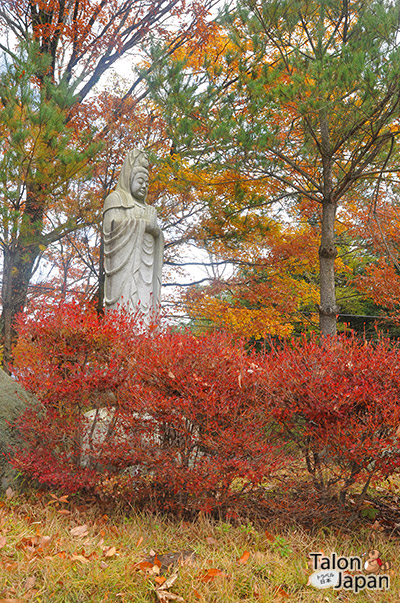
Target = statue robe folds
(133,244)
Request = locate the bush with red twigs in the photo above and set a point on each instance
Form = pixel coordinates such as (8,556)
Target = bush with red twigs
(183,423)
(338,401)
(165,417)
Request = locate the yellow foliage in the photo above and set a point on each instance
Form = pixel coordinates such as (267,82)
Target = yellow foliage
(242,322)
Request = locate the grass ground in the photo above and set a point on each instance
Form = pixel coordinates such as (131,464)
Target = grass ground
(59,551)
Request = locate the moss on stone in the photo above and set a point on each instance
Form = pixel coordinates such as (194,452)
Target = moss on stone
(13,401)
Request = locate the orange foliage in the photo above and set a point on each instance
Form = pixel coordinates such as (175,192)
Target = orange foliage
(267,292)
(284,98)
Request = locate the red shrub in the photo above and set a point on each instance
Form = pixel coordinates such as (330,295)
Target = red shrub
(202,396)
(173,418)
(188,423)
(73,361)
(339,402)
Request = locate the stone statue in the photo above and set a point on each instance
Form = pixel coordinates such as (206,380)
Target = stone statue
(133,243)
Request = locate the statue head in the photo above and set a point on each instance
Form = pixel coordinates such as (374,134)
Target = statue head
(134,176)
(139,184)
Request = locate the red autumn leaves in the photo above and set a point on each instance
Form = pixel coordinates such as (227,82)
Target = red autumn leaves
(189,423)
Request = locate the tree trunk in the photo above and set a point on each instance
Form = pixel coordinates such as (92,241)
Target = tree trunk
(17,273)
(100,293)
(327,254)
(19,259)
(327,251)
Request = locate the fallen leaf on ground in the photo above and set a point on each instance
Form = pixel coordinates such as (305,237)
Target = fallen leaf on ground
(148,567)
(33,544)
(10,566)
(64,512)
(139,542)
(143,565)
(26,543)
(110,551)
(79,531)
(56,499)
(269,536)
(164,596)
(80,558)
(160,580)
(211,540)
(9,493)
(244,558)
(43,541)
(169,559)
(211,574)
(167,583)
(29,582)
(282,593)
(3,541)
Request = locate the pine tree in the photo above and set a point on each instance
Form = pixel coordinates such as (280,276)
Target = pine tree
(58,52)
(302,96)
(41,157)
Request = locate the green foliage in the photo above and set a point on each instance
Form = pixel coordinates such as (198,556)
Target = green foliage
(41,154)
(300,98)
(281,546)
(369,512)
(45,157)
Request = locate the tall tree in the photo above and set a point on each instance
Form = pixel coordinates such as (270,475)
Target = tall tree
(53,55)
(40,157)
(303,96)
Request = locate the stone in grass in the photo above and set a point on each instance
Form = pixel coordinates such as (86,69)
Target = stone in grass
(168,560)
(13,401)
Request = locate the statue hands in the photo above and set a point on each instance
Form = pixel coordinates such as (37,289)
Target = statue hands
(152,226)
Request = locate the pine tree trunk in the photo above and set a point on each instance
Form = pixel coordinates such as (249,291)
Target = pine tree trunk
(327,251)
(19,260)
(18,268)
(327,254)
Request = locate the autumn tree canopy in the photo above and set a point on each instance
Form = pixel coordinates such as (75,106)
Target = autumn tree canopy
(54,54)
(301,99)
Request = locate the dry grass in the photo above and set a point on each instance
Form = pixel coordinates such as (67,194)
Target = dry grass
(46,555)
